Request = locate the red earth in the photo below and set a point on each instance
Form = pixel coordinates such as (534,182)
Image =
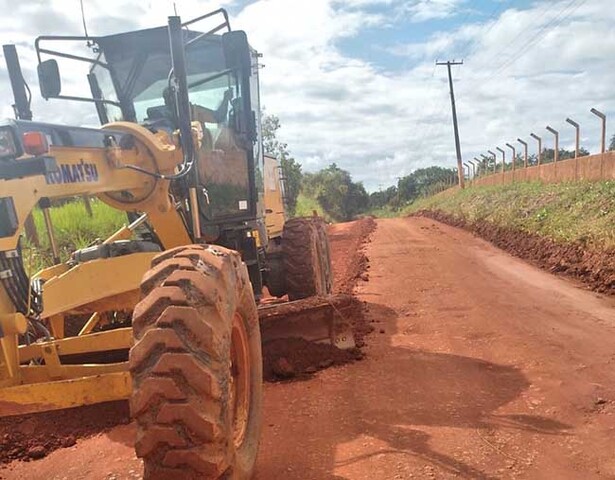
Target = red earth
(31,437)
(480,366)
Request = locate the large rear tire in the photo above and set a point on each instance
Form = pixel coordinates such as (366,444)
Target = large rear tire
(196,366)
(306,258)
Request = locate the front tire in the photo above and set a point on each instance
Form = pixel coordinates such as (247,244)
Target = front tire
(197,367)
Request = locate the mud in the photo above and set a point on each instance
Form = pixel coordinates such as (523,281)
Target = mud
(31,437)
(594,268)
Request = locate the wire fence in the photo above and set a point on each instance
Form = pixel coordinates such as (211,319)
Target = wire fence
(596,167)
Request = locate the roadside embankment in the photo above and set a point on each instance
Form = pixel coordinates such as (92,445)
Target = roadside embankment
(565,228)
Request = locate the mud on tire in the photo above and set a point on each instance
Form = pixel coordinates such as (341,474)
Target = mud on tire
(325,248)
(307,261)
(196,366)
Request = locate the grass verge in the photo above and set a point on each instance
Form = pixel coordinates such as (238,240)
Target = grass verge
(582,213)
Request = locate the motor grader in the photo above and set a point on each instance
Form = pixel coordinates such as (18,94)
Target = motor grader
(165,311)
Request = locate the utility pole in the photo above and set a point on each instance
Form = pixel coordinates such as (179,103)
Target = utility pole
(455,125)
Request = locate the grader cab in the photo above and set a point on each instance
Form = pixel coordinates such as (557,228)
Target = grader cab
(165,311)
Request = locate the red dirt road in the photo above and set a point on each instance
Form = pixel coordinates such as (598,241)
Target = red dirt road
(480,366)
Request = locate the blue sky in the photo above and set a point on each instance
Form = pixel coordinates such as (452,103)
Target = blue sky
(354,81)
(371,45)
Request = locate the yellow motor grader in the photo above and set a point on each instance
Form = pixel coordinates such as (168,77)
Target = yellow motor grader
(165,311)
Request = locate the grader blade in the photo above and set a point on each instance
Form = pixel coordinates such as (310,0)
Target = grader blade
(316,319)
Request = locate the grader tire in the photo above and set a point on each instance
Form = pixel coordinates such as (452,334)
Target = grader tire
(196,366)
(304,261)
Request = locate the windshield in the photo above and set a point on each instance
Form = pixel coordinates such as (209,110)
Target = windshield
(139,67)
(139,64)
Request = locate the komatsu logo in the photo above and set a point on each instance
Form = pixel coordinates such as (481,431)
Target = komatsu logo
(73,173)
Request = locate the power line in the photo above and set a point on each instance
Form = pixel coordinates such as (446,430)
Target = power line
(553,23)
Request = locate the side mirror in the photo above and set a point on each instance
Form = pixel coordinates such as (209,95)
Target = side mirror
(49,79)
(236,50)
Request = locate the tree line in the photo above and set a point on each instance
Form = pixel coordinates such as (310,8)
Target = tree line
(341,198)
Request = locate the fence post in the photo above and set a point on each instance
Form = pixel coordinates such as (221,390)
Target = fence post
(576,146)
(514,157)
(503,161)
(494,160)
(602,117)
(555,150)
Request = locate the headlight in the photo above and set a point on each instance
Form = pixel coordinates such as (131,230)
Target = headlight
(7,144)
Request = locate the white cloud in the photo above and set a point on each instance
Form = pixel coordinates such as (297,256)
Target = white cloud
(423,10)
(381,124)
(524,69)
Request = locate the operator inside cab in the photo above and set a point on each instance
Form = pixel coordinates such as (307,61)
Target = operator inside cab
(222,163)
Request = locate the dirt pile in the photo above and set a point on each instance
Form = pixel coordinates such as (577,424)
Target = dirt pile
(594,268)
(348,242)
(296,358)
(30,437)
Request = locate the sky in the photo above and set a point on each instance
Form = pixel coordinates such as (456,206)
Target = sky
(354,82)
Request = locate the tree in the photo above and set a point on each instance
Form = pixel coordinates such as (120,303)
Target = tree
(382,198)
(612,144)
(291,169)
(422,182)
(548,154)
(337,194)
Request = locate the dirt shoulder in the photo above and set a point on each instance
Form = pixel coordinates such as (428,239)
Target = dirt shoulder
(594,268)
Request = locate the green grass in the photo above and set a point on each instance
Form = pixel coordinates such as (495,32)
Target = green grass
(580,212)
(307,205)
(73,228)
(383,212)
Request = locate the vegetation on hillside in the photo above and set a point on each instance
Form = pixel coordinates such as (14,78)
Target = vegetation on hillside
(420,183)
(580,212)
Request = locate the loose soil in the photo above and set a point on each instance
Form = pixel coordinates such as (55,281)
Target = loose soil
(296,358)
(348,243)
(594,268)
(32,437)
(481,367)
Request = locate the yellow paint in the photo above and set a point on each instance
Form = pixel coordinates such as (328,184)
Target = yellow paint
(118,339)
(40,373)
(98,285)
(13,324)
(95,280)
(90,324)
(39,397)
(275,215)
